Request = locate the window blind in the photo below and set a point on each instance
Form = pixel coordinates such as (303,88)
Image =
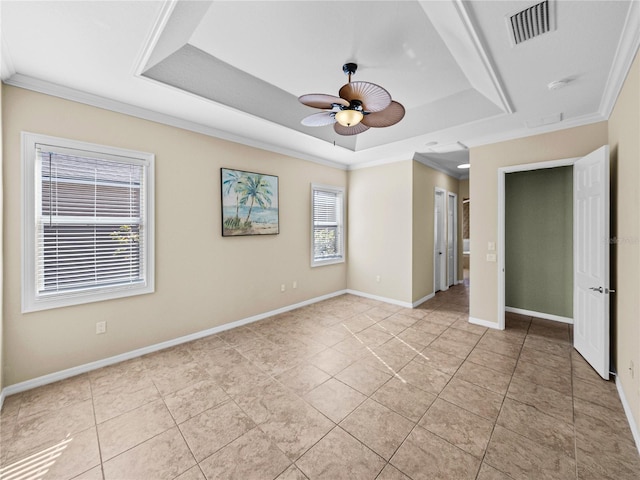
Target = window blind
(89,221)
(327,224)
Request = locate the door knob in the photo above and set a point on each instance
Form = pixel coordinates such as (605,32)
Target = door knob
(596,289)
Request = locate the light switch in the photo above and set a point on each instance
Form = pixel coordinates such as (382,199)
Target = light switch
(491,247)
(491,257)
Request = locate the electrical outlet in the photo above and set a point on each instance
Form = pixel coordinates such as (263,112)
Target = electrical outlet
(491,257)
(491,246)
(101,327)
(378,278)
(295,284)
(283,287)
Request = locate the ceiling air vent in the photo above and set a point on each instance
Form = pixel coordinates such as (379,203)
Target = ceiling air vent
(531,22)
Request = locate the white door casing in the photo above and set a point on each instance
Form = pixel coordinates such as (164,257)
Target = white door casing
(500,250)
(452,236)
(591,259)
(439,257)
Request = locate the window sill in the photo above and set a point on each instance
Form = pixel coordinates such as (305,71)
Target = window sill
(84,297)
(321,263)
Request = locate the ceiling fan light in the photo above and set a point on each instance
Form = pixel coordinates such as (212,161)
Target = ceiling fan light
(349,118)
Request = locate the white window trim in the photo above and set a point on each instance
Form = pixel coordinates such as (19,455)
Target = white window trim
(31,301)
(332,261)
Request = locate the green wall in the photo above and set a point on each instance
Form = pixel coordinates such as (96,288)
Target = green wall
(539,241)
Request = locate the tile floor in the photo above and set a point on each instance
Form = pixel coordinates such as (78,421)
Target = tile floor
(349,388)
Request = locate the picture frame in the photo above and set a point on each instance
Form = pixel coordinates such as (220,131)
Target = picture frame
(250,203)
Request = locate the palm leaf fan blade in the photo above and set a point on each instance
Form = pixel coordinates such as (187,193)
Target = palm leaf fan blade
(374,98)
(323,101)
(319,119)
(385,118)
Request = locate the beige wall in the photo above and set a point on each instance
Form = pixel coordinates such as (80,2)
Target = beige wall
(391,229)
(425,180)
(202,279)
(624,141)
(483,190)
(379,230)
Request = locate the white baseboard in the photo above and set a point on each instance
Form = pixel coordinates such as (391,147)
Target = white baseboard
(87,367)
(544,316)
(484,323)
(627,410)
(423,299)
(380,299)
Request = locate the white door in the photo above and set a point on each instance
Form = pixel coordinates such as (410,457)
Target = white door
(591,259)
(439,256)
(452,235)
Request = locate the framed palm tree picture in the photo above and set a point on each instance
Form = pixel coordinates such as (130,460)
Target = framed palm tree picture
(249,203)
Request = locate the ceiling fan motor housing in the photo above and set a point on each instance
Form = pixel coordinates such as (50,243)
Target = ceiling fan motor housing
(350,68)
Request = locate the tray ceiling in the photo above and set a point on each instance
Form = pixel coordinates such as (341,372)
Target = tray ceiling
(235,69)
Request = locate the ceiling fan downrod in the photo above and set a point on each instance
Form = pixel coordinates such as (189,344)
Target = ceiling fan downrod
(350,69)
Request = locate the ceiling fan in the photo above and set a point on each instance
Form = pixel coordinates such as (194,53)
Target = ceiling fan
(360,105)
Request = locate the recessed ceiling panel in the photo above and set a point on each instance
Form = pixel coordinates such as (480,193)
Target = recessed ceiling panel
(258,57)
(300,47)
(197,72)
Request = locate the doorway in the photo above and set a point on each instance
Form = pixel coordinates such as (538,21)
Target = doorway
(539,243)
(591,286)
(439,252)
(502,173)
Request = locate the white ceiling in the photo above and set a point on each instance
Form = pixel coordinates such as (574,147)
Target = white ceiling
(235,69)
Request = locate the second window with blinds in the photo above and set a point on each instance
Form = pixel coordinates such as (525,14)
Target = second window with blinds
(327,232)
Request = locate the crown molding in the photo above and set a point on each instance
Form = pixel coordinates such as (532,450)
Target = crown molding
(625,54)
(377,163)
(426,161)
(6,64)
(67,93)
(529,132)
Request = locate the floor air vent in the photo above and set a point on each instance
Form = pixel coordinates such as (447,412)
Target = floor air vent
(531,22)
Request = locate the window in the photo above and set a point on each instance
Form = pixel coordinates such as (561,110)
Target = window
(88,223)
(327,236)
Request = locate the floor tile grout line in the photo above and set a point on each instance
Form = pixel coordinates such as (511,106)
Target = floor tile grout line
(95,422)
(416,424)
(177,426)
(438,397)
(575,459)
(495,423)
(573,417)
